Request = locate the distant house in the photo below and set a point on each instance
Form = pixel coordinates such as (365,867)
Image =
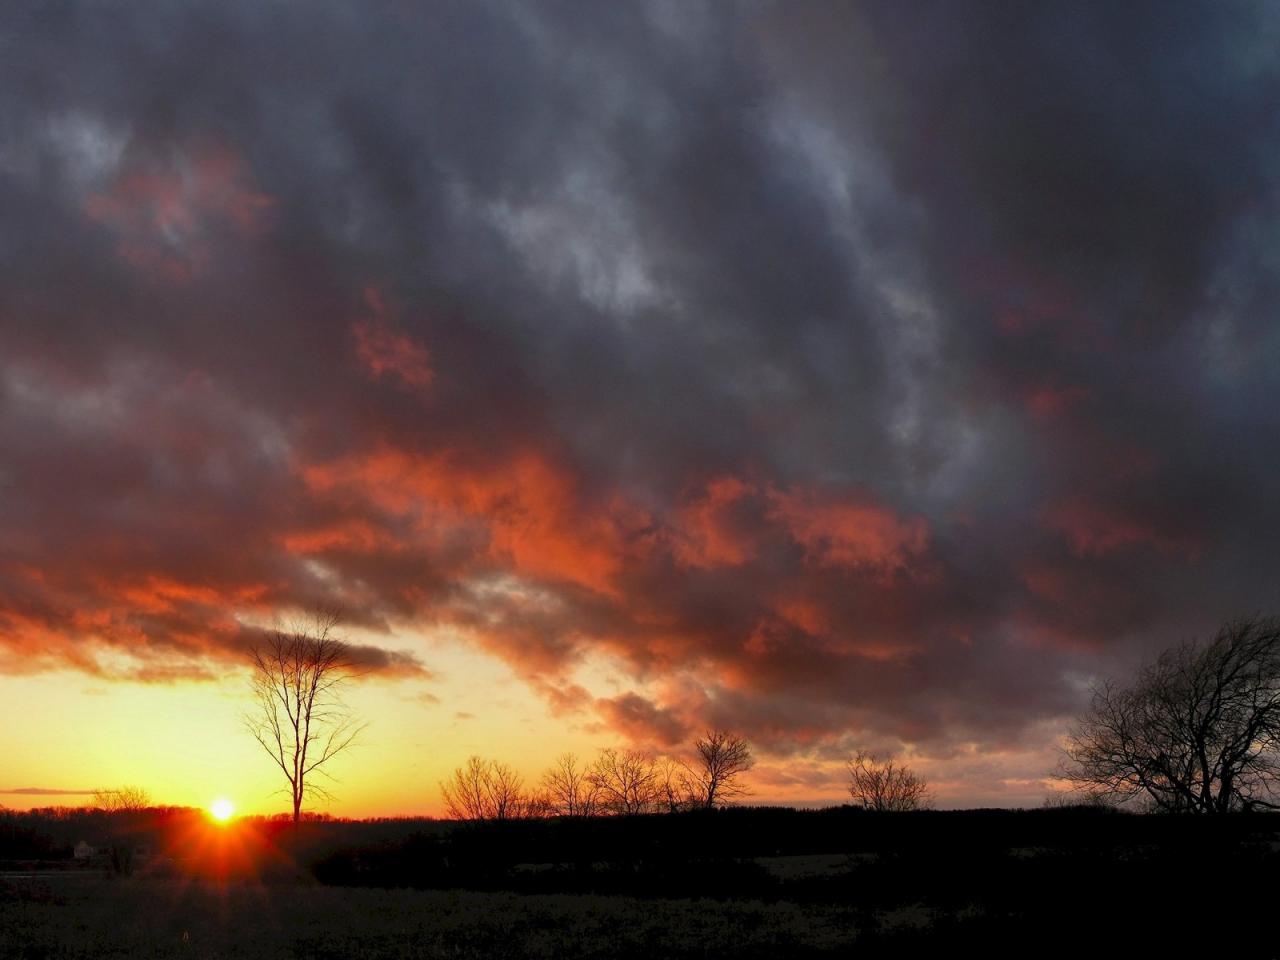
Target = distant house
(83,851)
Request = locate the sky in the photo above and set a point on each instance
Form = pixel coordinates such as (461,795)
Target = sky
(848,375)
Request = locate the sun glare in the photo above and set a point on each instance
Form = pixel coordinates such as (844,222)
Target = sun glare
(222,809)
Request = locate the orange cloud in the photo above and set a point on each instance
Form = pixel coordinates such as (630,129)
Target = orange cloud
(707,537)
(160,594)
(349,534)
(536,521)
(848,531)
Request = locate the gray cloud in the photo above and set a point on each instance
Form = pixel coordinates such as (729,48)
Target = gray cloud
(864,368)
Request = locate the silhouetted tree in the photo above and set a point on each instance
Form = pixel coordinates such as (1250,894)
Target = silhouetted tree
(484,790)
(128,801)
(534,805)
(885,784)
(569,789)
(1197,731)
(676,789)
(466,793)
(506,795)
(721,760)
(627,781)
(299,717)
(127,798)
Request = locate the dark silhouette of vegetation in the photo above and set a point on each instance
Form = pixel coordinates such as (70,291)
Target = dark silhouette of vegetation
(123,837)
(122,798)
(721,759)
(617,782)
(628,782)
(886,785)
(299,717)
(885,879)
(569,790)
(485,790)
(1198,731)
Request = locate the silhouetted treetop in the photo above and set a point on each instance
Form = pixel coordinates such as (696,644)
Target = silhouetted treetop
(1198,730)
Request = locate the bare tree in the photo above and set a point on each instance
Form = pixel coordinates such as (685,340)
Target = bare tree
(569,789)
(484,790)
(507,798)
(299,717)
(1197,731)
(885,784)
(627,781)
(126,798)
(466,793)
(534,805)
(127,802)
(721,760)
(676,790)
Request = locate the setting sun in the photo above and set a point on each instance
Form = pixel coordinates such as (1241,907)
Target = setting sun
(222,809)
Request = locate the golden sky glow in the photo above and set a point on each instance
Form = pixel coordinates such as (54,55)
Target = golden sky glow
(185,743)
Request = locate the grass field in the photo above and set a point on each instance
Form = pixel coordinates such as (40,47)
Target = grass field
(741,883)
(97,917)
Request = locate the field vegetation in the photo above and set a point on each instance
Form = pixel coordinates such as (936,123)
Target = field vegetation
(749,882)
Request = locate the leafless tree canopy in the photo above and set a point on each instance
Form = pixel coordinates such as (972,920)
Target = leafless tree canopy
(676,789)
(122,798)
(721,760)
(127,800)
(885,784)
(1198,731)
(619,782)
(299,717)
(628,781)
(485,790)
(569,790)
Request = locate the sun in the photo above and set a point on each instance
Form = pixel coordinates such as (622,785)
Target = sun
(222,809)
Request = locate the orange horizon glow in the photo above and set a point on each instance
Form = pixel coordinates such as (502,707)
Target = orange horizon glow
(418,732)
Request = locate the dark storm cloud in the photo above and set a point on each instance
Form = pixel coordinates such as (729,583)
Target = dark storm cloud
(831,368)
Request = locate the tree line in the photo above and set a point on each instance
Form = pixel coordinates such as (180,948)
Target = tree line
(301,722)
(617,781)
(1196,731)
(628,782)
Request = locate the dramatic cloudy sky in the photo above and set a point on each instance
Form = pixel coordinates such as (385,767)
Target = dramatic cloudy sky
(847,374)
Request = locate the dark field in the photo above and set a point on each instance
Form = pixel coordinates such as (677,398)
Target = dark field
(745,883)
(102,918)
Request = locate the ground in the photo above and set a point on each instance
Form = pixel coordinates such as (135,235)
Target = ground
(81,916)
(743,883)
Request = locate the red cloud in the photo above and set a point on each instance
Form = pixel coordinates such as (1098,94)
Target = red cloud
(384,352)
(1048,400)
(1096,529)
(724,525)
(640,719)
(706,533)
(167,215)
(848,531)
(535,519)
